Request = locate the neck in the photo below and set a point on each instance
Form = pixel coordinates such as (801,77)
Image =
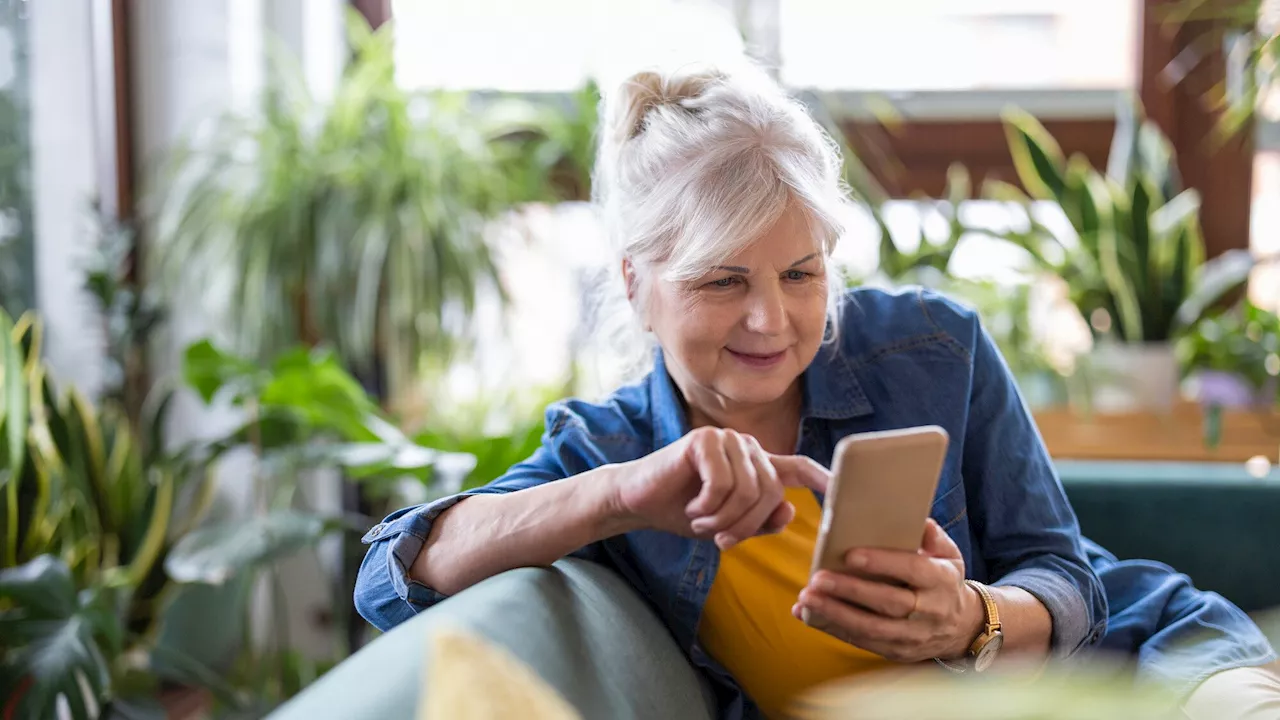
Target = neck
(775,424)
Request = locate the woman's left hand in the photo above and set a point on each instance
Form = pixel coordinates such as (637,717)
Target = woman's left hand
(935,616)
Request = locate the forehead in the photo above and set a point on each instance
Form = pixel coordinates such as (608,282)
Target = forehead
(791,237)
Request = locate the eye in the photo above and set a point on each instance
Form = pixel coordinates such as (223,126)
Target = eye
(727,282)
(795,275)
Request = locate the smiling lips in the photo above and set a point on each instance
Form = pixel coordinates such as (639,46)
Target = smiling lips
(758,360)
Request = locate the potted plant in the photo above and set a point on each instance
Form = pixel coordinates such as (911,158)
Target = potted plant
(360,223)
(1134,262)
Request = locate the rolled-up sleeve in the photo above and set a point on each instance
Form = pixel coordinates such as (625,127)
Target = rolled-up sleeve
(385,594)
(1027,532)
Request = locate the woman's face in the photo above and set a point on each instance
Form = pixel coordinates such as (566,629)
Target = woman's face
(742,334)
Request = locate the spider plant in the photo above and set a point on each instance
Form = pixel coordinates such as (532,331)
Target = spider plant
(359,223)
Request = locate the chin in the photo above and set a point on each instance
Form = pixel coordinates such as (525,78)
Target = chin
(757,390)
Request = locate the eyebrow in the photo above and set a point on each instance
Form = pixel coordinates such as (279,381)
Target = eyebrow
(747,271)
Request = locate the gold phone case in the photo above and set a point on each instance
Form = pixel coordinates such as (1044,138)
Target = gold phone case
(882,488)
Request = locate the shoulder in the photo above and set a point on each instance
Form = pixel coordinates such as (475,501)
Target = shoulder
(874,321)
(617,428)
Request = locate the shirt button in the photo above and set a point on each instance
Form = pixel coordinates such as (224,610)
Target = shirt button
(376,531)
(701,574)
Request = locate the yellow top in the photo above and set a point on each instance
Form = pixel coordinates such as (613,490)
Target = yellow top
(747,623)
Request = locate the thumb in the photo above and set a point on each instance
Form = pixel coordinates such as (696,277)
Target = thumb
(801,471)
(938,543)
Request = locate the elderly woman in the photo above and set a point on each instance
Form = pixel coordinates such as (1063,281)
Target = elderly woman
(702,484)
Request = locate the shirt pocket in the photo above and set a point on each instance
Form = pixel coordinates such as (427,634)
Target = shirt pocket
(949,508)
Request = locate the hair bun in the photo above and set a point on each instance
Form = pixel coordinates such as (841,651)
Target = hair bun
(645,91)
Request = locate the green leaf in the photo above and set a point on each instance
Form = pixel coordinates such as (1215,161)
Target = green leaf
(63,659)
(13,394)
(1115,260)
(1219,277)
(43,586)
(52,639)
(1166,222)
(153,541)
(216,553)
(367,460)
(208,370)
(1037,157)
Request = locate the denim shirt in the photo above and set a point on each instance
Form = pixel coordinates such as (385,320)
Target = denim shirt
(899,359)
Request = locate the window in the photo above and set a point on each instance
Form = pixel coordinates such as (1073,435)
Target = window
(1265,228)
(16,269)
(548,45)
(914,45)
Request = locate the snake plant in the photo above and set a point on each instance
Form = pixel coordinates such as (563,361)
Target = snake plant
(1135,264)
(87,514)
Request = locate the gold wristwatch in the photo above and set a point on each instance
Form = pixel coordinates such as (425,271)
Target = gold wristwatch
(984,649)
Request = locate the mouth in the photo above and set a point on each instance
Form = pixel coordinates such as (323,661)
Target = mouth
(757,360)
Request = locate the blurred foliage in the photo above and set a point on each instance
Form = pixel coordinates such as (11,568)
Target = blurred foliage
(1248,31)
(129,313)
(17,289)
(1136,266)
(89,510)
(548,148)
(1243,341)
(304,409)
(303,412)
(1085,690)
(499,430)
(98,522)
(360,223)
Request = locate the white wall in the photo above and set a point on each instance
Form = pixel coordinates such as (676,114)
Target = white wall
(63,185)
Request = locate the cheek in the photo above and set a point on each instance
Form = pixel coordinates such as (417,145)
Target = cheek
(810,315)
(683,321)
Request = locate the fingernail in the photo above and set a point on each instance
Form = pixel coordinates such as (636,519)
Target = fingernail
(699,525)
(825,583)
(724,541)
(857,560)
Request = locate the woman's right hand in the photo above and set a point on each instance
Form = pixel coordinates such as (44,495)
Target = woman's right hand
(717,484)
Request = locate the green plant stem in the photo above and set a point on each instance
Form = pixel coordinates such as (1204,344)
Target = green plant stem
(280,610)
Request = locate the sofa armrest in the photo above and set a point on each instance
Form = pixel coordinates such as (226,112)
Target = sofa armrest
(578,625)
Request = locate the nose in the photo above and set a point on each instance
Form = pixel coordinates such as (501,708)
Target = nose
(766,311)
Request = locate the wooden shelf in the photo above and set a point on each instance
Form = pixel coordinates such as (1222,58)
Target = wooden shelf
(1176,435)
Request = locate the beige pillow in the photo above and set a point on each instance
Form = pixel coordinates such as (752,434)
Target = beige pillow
(470,678)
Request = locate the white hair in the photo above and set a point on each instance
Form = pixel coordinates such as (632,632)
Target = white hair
(697,163)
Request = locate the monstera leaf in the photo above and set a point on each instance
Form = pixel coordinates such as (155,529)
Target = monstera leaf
(216,553)
(51,649)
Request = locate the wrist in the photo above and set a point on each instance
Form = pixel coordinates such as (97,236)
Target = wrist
(973,620)
(614,517)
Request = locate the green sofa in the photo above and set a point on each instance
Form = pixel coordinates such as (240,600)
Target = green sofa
(590,636)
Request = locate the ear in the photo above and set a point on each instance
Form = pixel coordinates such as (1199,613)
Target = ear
(632,279)
(629,277)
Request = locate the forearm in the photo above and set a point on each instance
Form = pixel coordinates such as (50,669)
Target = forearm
(488,534)
(1025,622)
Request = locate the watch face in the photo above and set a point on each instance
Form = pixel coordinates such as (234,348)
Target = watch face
(988,653)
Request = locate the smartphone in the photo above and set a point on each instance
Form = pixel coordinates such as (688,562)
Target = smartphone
(882,488)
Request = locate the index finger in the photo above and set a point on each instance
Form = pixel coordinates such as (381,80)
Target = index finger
(716,475)
(801,471)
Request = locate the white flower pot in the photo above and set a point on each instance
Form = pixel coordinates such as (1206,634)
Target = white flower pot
(1133,377)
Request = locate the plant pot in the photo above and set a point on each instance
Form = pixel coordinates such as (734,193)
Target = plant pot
(1133,377)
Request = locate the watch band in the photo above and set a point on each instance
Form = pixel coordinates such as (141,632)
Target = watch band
(991,626)
(989,607)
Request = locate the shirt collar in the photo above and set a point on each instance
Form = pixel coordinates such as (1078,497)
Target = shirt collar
(831,392)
